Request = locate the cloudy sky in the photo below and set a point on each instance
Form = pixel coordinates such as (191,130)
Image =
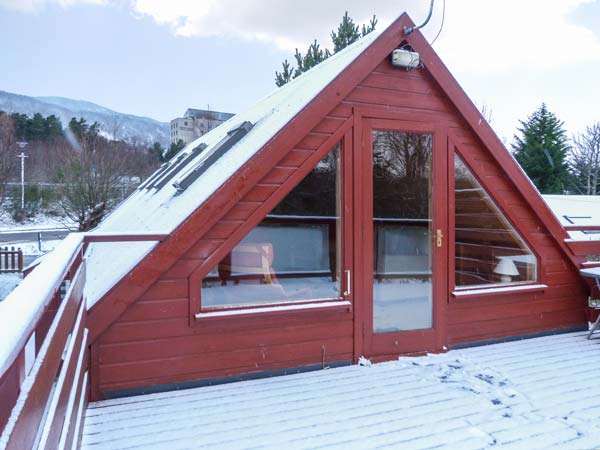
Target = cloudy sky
(158,57)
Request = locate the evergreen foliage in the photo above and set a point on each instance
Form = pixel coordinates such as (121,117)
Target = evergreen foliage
(173,149)
(347,33)
(37,128)
(158,150)
(541,150)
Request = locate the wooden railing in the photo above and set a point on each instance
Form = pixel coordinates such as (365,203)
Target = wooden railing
(44,350)
(11,260)
(43,359)
(590,245)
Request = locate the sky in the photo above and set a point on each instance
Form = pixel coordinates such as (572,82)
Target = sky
(156,58)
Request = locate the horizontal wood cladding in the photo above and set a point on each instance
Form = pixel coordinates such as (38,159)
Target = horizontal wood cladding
(217,352)
(250,360)
(514,326)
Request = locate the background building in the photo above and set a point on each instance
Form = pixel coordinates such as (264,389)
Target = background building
(195,123)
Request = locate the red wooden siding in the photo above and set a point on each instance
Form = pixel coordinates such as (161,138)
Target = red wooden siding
(156,340)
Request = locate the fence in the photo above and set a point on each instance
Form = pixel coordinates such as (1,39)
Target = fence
(11,260)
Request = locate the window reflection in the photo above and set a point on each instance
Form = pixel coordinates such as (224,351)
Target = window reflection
(402,278)
(292,255)
(488,249)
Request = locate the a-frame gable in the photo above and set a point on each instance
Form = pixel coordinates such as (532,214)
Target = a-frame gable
(207,215)
(235,207)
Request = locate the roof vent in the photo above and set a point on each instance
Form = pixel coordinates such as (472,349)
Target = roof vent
(233,137)
(154,176)
(180,164)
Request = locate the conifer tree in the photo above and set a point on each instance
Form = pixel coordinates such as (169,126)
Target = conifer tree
(541,150)
(347,33)
(174,148)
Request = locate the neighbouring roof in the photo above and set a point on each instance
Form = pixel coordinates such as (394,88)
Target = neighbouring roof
(533,393)
(162,210)
(210,115)
(578,210)
(575,209)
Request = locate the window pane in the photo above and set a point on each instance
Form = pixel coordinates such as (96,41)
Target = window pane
(488,249)
(293,254)
(402,283)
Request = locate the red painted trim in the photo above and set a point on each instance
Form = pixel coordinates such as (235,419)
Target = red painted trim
(583,248)
(582,227)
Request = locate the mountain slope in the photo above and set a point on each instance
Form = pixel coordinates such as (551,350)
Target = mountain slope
(112,123)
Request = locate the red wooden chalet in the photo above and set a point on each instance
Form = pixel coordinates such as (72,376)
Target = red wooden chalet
(363,209)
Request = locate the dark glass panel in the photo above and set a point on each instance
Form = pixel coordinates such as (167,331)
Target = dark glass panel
(488,248)
(293,254)
(402,290)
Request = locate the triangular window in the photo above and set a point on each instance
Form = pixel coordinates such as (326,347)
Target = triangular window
(293,255)
(488,248)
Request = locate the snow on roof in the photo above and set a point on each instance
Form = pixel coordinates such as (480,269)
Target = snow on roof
(576,210)
(161,211)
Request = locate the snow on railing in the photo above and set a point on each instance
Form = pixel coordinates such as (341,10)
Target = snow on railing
(22,309)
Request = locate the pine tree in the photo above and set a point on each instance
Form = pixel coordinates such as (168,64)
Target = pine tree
(541,150)
(347,33)
(174,148)
(286,75)
(158,150)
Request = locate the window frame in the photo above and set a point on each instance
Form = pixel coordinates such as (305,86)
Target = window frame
(458,293)
(340,304)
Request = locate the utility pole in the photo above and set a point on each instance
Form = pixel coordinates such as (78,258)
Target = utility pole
(22,156)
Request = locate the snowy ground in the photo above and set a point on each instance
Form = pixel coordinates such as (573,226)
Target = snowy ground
(8,281)
(39,222)
(530,394)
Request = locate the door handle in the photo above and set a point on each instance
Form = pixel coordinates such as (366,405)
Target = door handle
(348,290)
(438,237)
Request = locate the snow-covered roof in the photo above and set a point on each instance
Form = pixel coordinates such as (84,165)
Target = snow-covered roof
(576,210)
(162,210)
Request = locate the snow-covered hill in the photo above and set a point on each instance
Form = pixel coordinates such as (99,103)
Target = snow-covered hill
(124,126)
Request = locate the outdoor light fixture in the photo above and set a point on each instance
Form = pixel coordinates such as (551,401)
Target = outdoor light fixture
(405,59)
(507,269)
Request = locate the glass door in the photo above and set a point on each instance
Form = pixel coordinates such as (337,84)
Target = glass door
(403,236)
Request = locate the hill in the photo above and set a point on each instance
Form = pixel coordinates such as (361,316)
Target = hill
(112,123)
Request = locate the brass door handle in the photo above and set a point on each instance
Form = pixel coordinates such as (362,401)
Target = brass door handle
(438,237)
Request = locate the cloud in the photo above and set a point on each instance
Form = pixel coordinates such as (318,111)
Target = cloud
(502,35)
(477,35)
(30,6)
(286,24)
